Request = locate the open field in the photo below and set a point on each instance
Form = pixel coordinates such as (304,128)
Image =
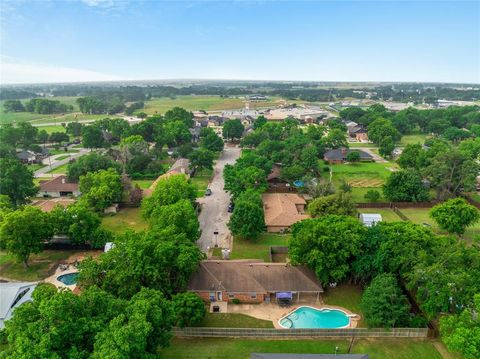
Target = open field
(51,129)
(258,249)
(40,265)
(233,320)
(207,103)
(203,348)
(126,218)
(412,139)
(388,215)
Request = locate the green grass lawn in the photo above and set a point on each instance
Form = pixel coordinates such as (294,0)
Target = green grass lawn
(51,129)
(233,320)
(207,103)
(358,194)
(421,215)
(40,265)
(127,218)
(143,184)
(258,249)
(203,348)
(59,158)
(35,166)
(413,139)
(388,215)
(370,174)
(345,296)
(59,170)
(361,144)
(62,151)
(201,180)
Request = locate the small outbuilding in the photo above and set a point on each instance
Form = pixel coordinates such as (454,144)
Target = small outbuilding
(370,219)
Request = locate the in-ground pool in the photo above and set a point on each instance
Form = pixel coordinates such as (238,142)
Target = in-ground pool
(68,279)
(308,317)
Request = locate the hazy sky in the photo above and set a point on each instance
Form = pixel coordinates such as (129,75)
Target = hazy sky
(51,41)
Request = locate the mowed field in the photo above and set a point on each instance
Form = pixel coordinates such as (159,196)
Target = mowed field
(207,103)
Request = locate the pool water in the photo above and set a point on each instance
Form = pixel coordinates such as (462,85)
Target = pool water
(68,279)
(307,317)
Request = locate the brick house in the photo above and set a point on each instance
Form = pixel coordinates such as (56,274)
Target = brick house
(250,281)
(281,210)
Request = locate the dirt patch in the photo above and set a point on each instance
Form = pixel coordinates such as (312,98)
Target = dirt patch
(365,182)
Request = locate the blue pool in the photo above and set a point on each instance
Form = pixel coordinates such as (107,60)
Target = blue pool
(68,279)
(307,317)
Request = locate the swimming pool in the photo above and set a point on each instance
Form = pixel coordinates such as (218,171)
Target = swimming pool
(68,279)
(308,317)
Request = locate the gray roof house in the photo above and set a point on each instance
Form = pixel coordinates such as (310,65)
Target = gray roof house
(12,295)
(339,155)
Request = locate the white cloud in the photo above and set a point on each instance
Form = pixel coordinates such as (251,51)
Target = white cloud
(16,73)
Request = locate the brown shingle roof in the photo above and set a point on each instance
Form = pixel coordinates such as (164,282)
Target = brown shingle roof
(48,205)
(59,184)
(253,276)
(281,209)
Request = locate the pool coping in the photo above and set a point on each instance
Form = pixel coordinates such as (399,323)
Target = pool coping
(53,278)
(353,318)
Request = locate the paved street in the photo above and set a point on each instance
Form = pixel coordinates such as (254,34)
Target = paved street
(214,216)
(51,162)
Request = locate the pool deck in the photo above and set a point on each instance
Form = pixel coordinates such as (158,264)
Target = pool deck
(273,312)
(53,278)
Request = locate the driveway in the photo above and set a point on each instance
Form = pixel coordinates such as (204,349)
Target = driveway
(51,163)
(214,216)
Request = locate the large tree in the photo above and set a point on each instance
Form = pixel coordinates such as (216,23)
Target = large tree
(340,203)
(92,137)
(381,129)
(24,232)
(327,245)
(455,215)
(384,304)
(210,140)
(233,129)
(101,189)
(239,179)
(16,181)
(92,162)
(169,191)
(247,219)
(405,186)
(201,159)
(162,260)
(179,114)
(461,333)
(189,309)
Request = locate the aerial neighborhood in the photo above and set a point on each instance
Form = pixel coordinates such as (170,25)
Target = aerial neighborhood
(268,218)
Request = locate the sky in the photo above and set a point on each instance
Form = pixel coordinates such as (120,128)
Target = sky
(101,40)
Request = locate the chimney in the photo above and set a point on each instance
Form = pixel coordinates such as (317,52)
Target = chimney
(63,180)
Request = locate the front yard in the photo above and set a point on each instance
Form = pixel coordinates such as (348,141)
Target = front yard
(242,348)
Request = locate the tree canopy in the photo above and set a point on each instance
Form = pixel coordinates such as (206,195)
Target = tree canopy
(455,215)
(247,220)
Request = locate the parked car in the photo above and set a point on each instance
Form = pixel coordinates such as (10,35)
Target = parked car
(208,192)
(231,207)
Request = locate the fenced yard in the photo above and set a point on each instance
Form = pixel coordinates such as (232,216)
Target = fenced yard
(259,248)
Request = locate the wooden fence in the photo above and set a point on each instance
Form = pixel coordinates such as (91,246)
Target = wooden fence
(398,204)
(302,333)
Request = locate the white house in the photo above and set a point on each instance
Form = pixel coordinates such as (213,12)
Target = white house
(370,219)
(59,187)
(12,295)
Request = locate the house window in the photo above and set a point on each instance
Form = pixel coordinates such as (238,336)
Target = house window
(231,296)
(212,296)
(254,296)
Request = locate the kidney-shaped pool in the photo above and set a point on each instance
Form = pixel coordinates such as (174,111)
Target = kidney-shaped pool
(68,279)
(308,317)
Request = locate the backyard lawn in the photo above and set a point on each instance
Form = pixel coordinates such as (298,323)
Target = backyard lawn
(345,296)
(51,129)
(388,215)
(201,180)
(40,265)
(257,249)
(126,218)
(413,139)
(358,194)
(242,348)
(371,174)
(233,320)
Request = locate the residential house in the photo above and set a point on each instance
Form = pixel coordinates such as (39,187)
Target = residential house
(251,281)
(13,295)
(358,132)
(339,155)
(50,204)
(276,183)
(282,210)
(27,157)
(59,187)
